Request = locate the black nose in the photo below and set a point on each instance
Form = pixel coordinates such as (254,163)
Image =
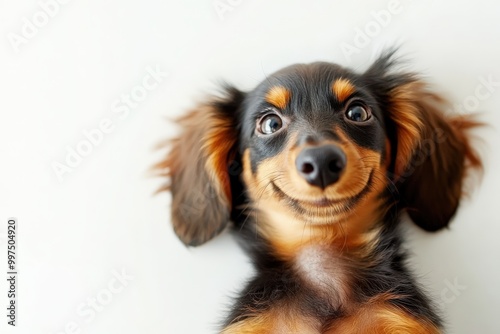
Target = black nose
(321,166)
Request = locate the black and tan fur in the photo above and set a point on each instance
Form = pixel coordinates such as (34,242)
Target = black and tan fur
(328,259)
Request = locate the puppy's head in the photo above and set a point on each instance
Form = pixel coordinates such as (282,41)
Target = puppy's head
(314,143)
(322,144)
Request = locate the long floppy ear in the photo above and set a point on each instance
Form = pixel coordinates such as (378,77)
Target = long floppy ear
(431,152)
(198,167)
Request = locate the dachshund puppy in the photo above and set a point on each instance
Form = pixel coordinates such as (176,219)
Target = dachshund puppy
(315,167)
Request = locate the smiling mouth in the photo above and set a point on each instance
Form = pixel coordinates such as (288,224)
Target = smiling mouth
(340,205)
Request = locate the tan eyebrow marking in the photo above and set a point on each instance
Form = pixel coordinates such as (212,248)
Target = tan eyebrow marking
(343,88)
(278,96)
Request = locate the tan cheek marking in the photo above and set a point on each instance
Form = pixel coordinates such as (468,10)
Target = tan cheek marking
(360,162)
(259,182)
(343,88)
(265,202)
(273,168)
(278,96)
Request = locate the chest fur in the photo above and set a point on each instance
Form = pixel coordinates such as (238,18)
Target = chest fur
(325,273)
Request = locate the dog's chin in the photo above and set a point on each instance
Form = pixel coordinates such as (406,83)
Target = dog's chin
(322,202)
(322,209)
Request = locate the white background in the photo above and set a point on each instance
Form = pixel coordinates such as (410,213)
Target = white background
(103,216)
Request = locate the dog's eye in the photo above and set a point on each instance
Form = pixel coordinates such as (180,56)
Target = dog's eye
(269,124)
(357,113)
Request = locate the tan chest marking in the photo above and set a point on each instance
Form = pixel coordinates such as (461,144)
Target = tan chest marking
(281,319)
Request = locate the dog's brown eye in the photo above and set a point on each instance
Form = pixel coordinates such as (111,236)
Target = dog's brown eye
(269,124)
(357,114)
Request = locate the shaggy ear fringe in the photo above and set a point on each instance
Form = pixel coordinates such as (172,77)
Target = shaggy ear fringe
(196,168)
(432,153)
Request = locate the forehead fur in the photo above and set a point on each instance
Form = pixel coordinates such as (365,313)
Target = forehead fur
(312,96)
(343,89)
(278,96)
(307,88)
